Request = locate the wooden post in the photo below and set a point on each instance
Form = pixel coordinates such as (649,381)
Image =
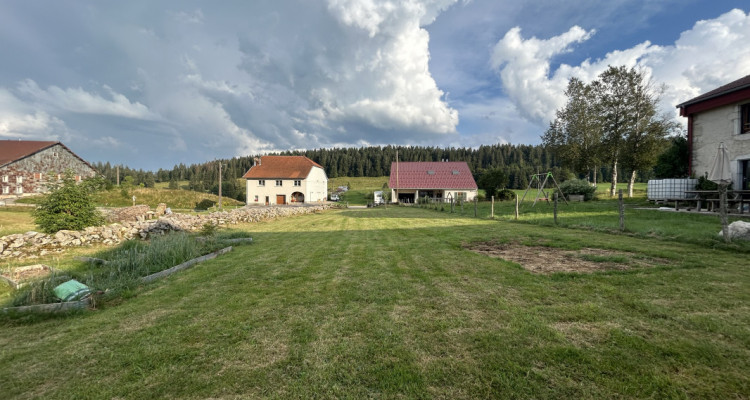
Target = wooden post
(451,206)
(219,185)
(622,211)
(475,207)
(516,206)
(118,175)
(555,208)
(492,209)
(723,212)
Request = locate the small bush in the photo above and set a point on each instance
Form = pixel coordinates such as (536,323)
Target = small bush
(67,207)
(505,194)
(204,204)
(578,186)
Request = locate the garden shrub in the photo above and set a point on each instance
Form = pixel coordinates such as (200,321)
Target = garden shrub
(67,207)
(578,186)
(505,194)
(204,204)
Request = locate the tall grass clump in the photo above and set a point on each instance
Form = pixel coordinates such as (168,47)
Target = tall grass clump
(123,267)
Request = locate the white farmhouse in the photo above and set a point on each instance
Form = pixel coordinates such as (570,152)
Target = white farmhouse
(285,180)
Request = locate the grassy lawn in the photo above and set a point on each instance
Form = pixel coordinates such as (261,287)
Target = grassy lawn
(376,303)
(174,198)
(15,220)
(359,188)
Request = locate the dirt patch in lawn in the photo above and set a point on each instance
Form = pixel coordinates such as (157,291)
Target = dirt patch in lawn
(547,260)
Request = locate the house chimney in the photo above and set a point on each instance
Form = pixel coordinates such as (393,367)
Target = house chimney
(256,161)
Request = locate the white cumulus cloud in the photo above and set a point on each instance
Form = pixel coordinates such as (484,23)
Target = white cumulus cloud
(712,53)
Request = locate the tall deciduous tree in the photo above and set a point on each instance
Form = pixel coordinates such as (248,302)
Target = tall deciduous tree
(576,134)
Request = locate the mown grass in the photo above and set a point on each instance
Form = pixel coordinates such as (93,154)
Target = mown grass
(15,220)
(388,304)
(360,188)
(173,198)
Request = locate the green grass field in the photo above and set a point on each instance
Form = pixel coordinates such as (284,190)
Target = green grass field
(174,198)
(376,303)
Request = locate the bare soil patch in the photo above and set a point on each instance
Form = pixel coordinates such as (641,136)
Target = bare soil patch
(547,260)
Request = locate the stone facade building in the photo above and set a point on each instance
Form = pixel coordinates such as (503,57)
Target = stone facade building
(26,166)
(721,115)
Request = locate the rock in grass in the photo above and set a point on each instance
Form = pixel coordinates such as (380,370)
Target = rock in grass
(738,230)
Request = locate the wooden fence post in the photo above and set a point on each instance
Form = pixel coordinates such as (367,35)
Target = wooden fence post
(555,208)
(516,206)
(622,211)
(492,209)
(475,207)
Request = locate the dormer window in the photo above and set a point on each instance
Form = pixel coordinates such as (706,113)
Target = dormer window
(455,172)
(430,172)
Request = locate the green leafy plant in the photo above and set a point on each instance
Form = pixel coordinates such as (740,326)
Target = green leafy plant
(67,207)
(505,194)
(578,186)
(204,204)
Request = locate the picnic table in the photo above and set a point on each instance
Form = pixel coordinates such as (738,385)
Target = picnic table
(736,199)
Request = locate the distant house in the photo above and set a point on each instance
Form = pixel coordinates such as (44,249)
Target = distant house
(721,115)
(26,165)
(285,180)
(443,181)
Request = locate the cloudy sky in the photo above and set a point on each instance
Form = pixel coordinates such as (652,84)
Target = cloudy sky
(154,83)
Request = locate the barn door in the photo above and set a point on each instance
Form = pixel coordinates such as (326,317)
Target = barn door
(280,199)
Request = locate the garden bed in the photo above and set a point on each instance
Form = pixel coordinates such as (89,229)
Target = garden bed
(19,276)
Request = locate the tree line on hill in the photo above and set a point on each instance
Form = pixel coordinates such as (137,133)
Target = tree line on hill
(517,162)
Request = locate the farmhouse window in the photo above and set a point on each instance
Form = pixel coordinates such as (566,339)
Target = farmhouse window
(6,189)
(297,183)
(745,118)
(279,183)
(19,179)
(262,182)
(5,178)
(19,189)
(256,198)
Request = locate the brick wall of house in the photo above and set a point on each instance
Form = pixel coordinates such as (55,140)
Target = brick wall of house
(30,175)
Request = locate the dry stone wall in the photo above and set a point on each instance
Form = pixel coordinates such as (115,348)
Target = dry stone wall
(36,244)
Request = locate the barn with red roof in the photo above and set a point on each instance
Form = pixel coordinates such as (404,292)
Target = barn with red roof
(442,181)
(286,180)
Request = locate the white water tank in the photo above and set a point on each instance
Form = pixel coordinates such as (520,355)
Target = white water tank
(670,189)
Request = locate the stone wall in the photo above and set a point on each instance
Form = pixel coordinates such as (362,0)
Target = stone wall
(35,244)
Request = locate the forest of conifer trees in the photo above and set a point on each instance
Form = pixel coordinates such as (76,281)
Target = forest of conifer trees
(519,162)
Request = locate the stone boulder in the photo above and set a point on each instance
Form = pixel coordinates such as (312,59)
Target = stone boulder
(738,230)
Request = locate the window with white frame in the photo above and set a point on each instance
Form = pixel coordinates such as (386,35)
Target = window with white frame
(279,183)
(19,179)
(6,189)
(19,189)
(261,182)
(5,178)
(256,198)
(297,183)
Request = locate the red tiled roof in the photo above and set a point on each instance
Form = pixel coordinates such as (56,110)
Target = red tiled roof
(14,150)
(282,167)
(730,87)
(431,175)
